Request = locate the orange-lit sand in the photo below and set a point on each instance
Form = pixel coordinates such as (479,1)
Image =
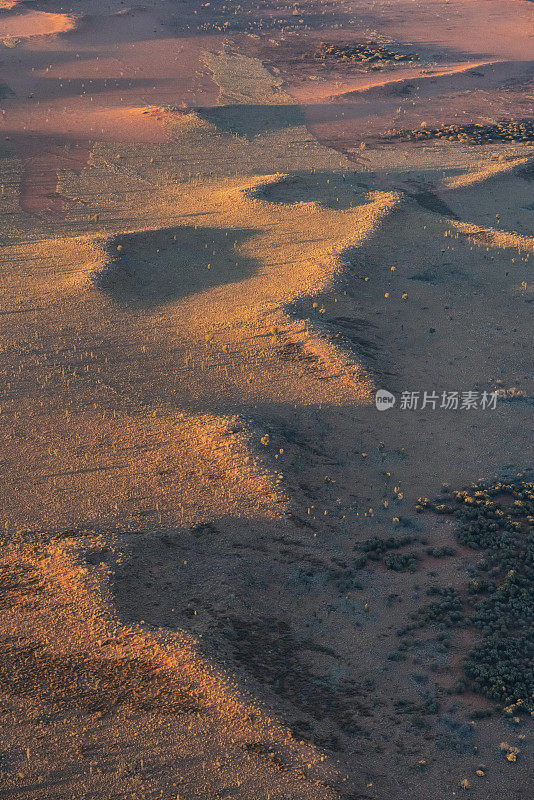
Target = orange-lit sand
(210,260)
(35,23)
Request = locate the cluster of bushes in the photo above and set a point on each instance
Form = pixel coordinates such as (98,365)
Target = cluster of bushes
(376,546)
(498,520)
(498,668)
(384,550)
(399,562)
(508,130)
(430,705)
(440,552)
(447,611)
(366,53)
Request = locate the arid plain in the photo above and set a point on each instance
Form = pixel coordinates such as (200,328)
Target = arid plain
(223,227)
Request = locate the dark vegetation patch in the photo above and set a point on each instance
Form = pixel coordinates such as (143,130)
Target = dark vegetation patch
(400,562)
(367,53)
(497,521)
(440,552)
(385,551)
(447,609)
(507,130)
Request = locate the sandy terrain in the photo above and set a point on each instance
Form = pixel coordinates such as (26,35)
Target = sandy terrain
(222,232)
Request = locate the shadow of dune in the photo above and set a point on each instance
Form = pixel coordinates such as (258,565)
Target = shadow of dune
(328,189)
(251,120)
(430,201)
(467,78)
(76,87)
(153,267)
(220,601)
(526,172)
(5,91)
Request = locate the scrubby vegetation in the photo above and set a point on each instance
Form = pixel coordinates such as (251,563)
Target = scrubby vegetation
(498,522)
(447,610)
(384,550)
(369,53)
(440,552)
(507,130)
(401,561)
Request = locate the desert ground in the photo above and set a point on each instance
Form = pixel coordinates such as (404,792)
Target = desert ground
(224,572)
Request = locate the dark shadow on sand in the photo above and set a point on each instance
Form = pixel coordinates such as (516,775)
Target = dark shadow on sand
(154,267)
(336,190)
(252,120)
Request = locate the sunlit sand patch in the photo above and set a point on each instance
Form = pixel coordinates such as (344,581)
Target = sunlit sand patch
(35,23)
(243,80)
(216,295)
(94,462)
(495,237)
(284,264)
(90,123)
(106,470)
(60,265)
(113,344)
(68,655)
(296,246)
(137,123)
(488,170)
(102,440)
(104,446)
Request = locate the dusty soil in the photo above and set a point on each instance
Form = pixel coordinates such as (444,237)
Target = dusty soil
(213,256)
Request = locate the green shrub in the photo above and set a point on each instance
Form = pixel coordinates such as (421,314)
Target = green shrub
(497,520)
